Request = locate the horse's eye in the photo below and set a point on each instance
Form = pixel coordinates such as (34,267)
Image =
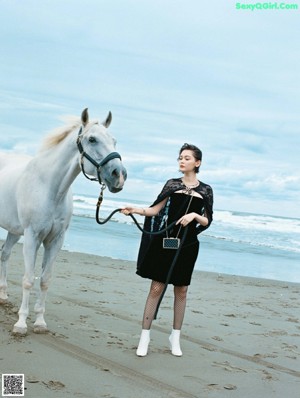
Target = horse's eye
(92,139)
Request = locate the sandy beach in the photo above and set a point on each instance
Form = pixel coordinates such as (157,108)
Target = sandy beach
(241,336)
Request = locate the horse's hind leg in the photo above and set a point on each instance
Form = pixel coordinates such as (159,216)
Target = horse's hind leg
(11,240)
(51,250)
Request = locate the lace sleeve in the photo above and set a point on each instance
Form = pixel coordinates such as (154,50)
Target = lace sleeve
(170,186)
(207,194)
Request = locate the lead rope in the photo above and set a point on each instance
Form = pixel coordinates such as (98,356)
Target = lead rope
(162,231)
(98,205)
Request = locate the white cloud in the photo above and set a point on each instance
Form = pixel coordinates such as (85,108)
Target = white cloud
(171,72)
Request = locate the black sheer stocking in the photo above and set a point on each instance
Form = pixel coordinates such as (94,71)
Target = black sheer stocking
(151,303)
(179,305)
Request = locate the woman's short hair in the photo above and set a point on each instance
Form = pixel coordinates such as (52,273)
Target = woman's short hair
(196,152)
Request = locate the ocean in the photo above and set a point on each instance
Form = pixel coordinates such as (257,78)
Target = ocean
(245,244)
(236,243)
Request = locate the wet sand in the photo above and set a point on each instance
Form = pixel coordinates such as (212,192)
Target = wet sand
(240,338)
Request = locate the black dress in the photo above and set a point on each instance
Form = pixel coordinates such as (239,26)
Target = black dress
(157,261)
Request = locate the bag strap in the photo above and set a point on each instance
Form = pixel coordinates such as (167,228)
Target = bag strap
(187,209)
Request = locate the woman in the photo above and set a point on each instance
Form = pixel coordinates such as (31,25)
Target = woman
(190,202)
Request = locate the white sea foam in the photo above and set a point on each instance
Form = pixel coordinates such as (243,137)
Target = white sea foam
(253,229)
(236,243)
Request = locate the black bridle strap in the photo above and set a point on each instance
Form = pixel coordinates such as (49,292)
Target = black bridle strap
(98,165)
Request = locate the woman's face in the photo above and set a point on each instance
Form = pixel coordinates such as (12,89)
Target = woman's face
(187,161)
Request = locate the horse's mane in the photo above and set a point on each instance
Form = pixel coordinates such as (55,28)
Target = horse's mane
(60,133)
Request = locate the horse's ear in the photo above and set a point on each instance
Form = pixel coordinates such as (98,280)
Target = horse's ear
(85,117)
(107,122)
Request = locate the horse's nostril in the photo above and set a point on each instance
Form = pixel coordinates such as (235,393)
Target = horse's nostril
(116,173)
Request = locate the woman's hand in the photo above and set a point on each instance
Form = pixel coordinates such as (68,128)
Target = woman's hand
(147,212)
(186,219)
(127,210)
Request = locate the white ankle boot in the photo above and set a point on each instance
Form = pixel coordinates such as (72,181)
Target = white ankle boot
(174,343)
(142,349)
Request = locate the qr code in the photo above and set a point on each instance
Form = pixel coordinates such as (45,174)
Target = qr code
(12,385)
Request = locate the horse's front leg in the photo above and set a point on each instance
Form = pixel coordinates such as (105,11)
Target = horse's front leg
(51,250)
(30,248)
(11,240)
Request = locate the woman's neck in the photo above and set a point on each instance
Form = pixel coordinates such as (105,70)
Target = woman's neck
(190,179)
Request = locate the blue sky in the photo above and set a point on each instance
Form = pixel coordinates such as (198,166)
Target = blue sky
(171,72)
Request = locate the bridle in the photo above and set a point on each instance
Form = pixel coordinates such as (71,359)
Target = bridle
(98,165)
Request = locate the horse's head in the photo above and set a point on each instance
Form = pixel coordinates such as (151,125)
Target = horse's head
(98,156)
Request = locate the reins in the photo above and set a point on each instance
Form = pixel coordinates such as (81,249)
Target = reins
(98,205)
(160,232)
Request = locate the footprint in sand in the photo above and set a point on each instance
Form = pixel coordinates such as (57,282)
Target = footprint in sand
(54,385)
(228,367)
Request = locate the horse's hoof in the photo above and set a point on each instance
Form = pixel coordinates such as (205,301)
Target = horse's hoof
(17,331)
(3,297)
(40,329)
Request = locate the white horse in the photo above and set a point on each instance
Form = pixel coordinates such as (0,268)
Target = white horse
(36,200)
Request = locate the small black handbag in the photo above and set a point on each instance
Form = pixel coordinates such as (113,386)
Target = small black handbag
(171,243)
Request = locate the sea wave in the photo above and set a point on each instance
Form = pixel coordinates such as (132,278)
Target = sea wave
(222,217)
(258,221)
(262,231)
